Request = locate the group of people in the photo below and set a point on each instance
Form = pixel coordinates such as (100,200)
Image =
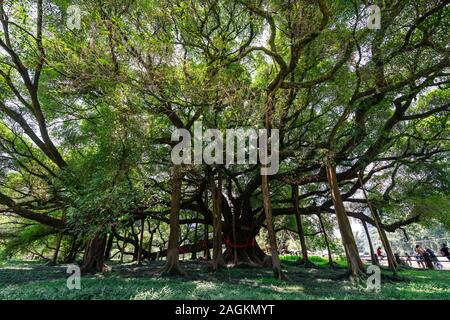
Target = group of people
(419,255)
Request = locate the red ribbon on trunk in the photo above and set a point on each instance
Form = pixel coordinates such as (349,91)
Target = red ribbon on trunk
(230,244)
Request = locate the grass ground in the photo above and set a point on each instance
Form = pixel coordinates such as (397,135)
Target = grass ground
(33,280)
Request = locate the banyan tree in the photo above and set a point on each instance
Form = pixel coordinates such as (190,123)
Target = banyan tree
(88,111)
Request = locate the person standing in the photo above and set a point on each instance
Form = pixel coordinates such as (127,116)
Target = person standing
(419,256)
(445,252)
(434,259)
(380,253)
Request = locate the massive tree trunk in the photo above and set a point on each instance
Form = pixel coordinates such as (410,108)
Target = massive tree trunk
(244,251)
(304,260)
(94,254)
(218,260)
(355,265)
(239,231)
(384,240)
(172,266)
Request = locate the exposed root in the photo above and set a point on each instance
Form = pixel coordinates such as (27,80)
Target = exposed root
(359,277)
(278,274)
(306,263)
(173,268)
(244,264)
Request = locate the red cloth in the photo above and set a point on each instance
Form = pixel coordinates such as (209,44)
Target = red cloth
(230,244)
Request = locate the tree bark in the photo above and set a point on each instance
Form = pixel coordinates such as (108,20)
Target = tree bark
(109,245)
(122,249)
(141,240)
(276,265)
(355,265)
(172,266)
(150,244)
(384,240)
(373,256)
(387,246)
(93,259)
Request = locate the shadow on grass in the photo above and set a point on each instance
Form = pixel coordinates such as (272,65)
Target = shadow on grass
(130,282)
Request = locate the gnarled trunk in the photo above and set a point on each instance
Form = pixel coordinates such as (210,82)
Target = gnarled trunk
(94,254)
(239,232)
(245,251)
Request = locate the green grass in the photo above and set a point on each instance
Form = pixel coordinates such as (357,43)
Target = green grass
(318,261)
(32,280)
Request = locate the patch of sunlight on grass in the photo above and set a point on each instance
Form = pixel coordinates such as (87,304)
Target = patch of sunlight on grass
(325,280)
(289,289)
(152,294)
(311,270)
(206,286)
(348,288)
(18,268)
(247,281)
(422,288)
